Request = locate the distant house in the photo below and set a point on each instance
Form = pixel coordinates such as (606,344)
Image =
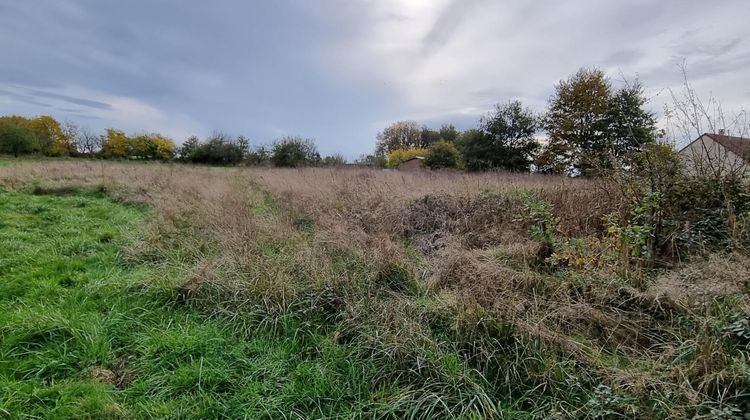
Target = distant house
(413,164)
(717,154)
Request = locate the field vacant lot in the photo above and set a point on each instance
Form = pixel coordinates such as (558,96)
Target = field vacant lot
(136,290)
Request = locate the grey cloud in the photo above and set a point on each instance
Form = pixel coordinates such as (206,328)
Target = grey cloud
(65,98)
(247,67)
(447,22)
(624,57)
(23,98)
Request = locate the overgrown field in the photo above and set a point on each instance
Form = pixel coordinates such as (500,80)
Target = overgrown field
(135,290)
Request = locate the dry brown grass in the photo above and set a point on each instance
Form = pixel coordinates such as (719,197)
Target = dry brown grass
(385,255)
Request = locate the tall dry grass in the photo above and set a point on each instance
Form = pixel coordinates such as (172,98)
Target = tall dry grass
(423,272)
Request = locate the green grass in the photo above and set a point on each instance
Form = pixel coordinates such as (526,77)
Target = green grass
(83,335)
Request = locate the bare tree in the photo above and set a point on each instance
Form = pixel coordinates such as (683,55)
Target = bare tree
(88,142)
(689,117)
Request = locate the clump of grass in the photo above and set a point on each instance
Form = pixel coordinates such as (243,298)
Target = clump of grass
(429,286)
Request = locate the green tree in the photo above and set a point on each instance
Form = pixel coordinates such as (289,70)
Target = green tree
(399,135)
(187,152)
(243,143)
(505,139)
(294,152)
(448,132)
(629,125)
(428,137)
(442,154)
(576,123)
(16,139)
(334,160)
(373,160)
(258,156)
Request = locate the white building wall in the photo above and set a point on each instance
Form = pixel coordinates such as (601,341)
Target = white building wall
(705,156)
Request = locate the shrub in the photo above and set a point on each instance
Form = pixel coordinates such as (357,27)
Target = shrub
(442,154)
(334,160)
(116,144)
(398,156)
(258,156)
(219,149)
(16,139)
(294,152)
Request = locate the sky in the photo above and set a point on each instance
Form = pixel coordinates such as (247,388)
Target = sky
(339,71)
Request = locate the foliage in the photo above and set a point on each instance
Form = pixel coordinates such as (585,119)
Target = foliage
(633,237)
(398,156)
(258,156)
(53,141)
(589,125)
(189,149)
(372,160)
(442,154)
(218,149)
(17,139)
(507,140)
(117,144)
(448,132)
(399,135)
(543,224)
(334,160)
(41,134)
(294,152)
(576,122)
(629,126)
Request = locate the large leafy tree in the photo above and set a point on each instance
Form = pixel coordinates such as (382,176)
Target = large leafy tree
(576,123)
(15,138)
(629,125)
(448,132)
(505,139)
(428,137)
(399,135)
(591,126)
(52,139)
(115,144)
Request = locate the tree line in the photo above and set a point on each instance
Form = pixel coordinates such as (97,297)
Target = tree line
(588,124)
(45,136)
(589,127)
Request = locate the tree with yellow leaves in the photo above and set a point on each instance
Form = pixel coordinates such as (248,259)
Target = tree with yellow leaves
(398,156)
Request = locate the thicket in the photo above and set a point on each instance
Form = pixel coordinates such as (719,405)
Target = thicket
(20,135)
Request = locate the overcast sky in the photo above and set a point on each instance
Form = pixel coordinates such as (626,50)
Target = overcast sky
(339,71)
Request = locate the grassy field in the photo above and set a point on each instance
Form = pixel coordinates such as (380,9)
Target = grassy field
(134,290)
(86,335)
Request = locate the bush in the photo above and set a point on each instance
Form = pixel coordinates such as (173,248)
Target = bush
(398,156)
(294,152)
(116,144)
(16,139)
(442,154)
(334,160)
(219,149)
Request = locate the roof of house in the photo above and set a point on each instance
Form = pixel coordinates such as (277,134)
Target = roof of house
(413,158)
(738,145)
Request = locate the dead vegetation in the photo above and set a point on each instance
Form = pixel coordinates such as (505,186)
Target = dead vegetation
(437,278)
